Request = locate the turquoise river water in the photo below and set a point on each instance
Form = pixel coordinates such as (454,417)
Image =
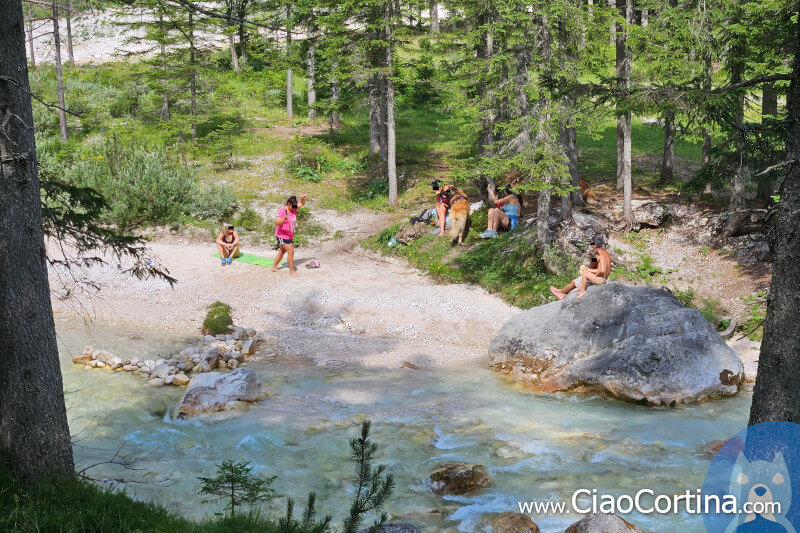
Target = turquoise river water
(537,447)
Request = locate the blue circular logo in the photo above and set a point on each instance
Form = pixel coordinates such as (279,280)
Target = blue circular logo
(753,483)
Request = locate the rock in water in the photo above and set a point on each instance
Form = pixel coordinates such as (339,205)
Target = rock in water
(211,391)
(459,478)
(509,522)
(394,527)
(602,523)
(634,343)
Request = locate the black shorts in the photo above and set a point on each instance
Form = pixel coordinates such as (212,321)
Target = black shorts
(281,242)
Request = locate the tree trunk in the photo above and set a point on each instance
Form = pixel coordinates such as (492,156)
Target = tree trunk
(374,88)
(645,17)
(165,112)
(391,144)
(543,217)
(383,116)
(70,54)
(333,118)
(613,30)
(62,105)
(34,434)
(623,60)
(30,37)
(769,112)
(776,395)
(234,57)
(242,14)
(434,15)
(289,85)
(192,78)
(668,160)
(311,80)
(569,140)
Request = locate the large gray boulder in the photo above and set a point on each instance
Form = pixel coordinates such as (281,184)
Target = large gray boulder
(210,392)
(602,523)
(638,344)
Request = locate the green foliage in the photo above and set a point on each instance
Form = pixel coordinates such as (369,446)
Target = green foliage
(220,143)
(141,186)
(710,309)
(217,319)
(371,487)
(235,484)
(249,219)
(312,158)
(306,173)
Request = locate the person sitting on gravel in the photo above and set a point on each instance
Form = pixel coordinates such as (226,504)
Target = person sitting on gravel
(285,225)
(504,216)
(595,274)
(228,244)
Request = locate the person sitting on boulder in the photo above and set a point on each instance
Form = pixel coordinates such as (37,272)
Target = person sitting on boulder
(504,216)
(595,274)
(228,244)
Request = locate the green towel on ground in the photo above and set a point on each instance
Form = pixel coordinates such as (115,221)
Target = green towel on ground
(251,259)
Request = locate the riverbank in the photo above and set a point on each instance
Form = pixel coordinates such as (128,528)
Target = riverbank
(358,308)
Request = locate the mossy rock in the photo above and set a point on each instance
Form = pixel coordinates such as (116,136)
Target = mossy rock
(218,319)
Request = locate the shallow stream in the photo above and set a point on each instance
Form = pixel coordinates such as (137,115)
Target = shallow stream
(537,447)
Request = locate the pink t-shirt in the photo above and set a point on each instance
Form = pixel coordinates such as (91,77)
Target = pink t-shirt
(286,230)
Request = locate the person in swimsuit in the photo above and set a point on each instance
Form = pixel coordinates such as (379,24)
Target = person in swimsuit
(228,244)
(504,215)
(285,225)
(595,274)
(442,207)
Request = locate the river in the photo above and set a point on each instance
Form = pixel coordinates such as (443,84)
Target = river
(537,447)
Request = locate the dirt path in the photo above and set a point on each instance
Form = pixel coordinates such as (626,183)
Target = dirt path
(358,308)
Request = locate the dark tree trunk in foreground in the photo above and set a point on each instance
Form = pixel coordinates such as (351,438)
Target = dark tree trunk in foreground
(62,105)
(34,435)
(668,160)
(776,395)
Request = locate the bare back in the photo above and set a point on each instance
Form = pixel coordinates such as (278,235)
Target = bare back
(603,263)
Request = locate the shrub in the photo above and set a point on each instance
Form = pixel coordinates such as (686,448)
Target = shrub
(217,319)
(236,485)
(140,186)
(249,219)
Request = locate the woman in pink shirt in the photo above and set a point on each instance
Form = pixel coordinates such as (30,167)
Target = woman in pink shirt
(285,225)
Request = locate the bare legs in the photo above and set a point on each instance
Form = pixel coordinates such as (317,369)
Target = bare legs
(287,249)
(441,213)
(497,219)
(223,252)
(562,293)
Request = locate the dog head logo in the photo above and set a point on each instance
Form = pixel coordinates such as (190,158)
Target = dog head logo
(766,486)
(760,469)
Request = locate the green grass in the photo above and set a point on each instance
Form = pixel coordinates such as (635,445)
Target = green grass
(71,505)
(597,157)
(510,266)
(217,319)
